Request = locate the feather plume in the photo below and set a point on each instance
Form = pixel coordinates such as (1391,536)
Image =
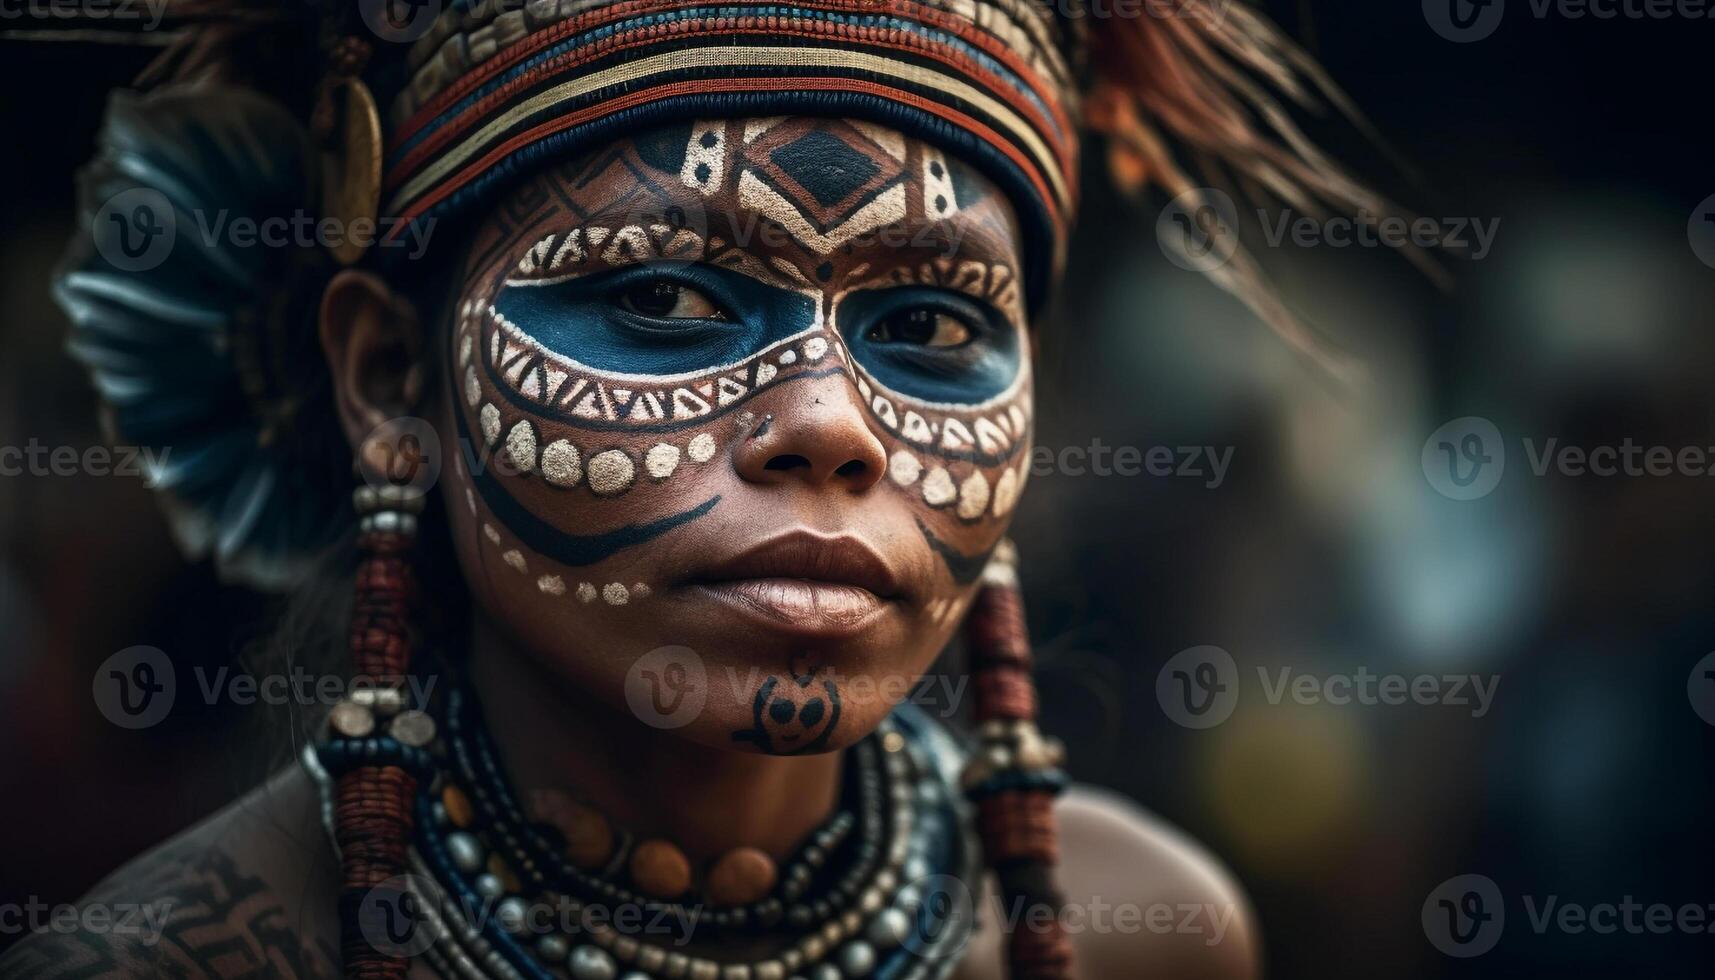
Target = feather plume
(1202,97)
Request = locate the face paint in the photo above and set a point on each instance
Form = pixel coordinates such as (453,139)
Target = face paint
(634,324)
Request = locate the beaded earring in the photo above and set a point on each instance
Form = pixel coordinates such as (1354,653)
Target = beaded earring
(376,739)
(1015,774)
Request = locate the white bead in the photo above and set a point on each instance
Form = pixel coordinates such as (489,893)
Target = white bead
(591,963)
(857,958)
(889,929)
(466,852)
(489,886)
(511,913)
(553,948)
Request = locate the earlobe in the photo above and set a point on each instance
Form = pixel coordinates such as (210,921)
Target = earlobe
(376,352)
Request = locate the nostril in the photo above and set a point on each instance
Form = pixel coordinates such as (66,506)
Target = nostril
(852,468)
(787,461)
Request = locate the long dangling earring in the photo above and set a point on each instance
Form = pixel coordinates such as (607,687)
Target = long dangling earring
(1015,775)
(377,774)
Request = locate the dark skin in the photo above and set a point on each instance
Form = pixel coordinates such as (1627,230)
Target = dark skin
(718,393)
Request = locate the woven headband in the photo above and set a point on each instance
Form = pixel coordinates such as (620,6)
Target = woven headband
(495,90)
(206,352)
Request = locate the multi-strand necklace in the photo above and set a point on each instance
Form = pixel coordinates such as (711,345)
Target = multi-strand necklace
(878,890)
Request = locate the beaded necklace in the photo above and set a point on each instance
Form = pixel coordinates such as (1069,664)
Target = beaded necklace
(879,890)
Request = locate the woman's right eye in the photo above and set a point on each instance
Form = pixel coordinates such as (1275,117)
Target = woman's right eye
(663,299)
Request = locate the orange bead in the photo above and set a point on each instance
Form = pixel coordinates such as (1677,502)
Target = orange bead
(741,876)
(659,869)
(589,837)
(497,867)
(459,810)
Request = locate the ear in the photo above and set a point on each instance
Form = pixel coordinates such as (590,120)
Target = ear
(374,343)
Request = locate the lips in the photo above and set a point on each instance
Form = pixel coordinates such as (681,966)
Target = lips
(804,583)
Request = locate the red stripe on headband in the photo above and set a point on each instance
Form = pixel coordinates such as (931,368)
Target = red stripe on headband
(703,86)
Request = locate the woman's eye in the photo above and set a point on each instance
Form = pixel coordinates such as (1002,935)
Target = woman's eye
(666,300)
(922,327)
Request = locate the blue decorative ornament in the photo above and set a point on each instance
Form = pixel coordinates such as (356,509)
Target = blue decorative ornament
(192,288)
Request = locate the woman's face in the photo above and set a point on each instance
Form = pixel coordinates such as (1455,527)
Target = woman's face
(758,389)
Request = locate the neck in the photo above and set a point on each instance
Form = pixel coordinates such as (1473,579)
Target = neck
(651,782)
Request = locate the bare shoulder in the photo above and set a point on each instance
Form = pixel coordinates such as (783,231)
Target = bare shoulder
(247,892)
(1174,908)
(1142,899)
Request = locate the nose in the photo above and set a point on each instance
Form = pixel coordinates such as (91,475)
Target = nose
(815,431)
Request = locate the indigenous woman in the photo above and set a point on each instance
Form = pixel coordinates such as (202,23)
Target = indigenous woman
(638,395)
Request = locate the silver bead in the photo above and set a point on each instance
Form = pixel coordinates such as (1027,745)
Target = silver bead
(635,975)
(825,971)
(413,728)
(488,886)
(511,913)
(908,898)
(553,948)
(592,963)
(857,958)
(889,929)
(465,851)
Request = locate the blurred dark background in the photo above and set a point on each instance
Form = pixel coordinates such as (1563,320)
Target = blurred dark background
(1324,549)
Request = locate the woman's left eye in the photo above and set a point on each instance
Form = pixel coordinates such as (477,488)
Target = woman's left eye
(922,327)
(664,299)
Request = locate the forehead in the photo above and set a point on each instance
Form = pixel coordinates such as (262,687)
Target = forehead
(814,197)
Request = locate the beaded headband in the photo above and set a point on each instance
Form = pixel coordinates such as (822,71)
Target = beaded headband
(210,349)
(497,89)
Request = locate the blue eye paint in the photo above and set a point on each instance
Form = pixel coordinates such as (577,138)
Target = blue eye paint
(583,319)
(972,372)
